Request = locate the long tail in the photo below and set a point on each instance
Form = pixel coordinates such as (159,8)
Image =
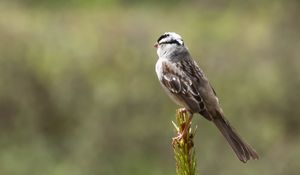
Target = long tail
(243,150)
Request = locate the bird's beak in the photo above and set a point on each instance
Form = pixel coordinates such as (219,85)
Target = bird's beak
(156,45)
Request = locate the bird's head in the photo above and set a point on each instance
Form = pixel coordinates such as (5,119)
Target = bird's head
(168,42)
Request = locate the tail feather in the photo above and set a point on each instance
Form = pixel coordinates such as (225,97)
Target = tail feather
(243,150)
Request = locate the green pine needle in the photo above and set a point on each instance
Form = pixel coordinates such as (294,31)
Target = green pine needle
(183,144)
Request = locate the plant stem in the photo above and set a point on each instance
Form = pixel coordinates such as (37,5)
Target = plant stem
(183,144)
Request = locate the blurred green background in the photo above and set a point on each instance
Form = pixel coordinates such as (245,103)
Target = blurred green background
(79,94)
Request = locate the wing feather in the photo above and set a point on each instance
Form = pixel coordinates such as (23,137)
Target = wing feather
(182,87)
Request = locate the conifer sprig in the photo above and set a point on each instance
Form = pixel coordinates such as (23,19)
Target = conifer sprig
(183,144)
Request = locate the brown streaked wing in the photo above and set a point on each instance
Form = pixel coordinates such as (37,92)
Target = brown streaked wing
(183,88)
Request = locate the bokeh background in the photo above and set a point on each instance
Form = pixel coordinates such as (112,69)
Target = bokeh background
(79,94)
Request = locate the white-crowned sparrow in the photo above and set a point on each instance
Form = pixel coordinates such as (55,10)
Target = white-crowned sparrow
(186,84)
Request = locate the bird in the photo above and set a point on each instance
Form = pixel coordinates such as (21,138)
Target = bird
(186,84)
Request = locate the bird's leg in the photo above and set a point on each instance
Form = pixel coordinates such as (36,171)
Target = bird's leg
(187,124)
(184,129)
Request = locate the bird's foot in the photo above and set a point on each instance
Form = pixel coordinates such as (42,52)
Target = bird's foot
(185,123)
(181,135)
(177,138)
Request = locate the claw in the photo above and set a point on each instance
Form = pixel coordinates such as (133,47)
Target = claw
(183,129)
(177,138)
